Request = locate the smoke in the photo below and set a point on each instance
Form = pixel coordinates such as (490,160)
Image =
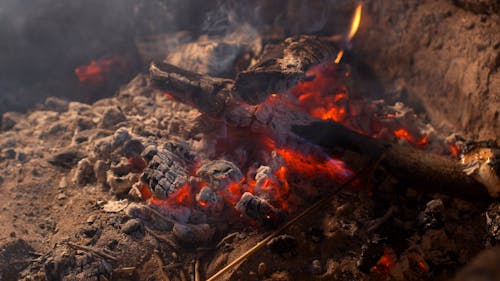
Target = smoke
(43,41)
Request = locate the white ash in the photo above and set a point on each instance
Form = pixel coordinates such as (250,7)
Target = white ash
(219,174)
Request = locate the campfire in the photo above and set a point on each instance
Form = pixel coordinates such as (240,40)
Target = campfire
(246,154)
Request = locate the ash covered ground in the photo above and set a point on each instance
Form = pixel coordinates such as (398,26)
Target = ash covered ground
(68,212)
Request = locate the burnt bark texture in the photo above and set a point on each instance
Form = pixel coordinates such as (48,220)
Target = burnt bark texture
(444,53)
(282,66)
(426,171)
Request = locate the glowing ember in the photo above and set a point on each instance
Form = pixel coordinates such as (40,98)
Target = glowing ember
(385,262)
(320,98)
(404,134)
(455,150)
(96,71)
(181,197)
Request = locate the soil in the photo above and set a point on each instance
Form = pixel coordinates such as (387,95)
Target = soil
(51,202)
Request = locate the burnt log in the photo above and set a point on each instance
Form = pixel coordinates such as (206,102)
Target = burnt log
(425,171)
(166,172)
(282,66)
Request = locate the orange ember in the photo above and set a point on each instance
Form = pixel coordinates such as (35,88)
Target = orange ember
(181,197)
(320,97)
(96,70)
(404,134)
(385,262)
(455,150)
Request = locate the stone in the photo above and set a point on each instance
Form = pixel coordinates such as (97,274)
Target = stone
(100,169)
(120,185)
(56,104)
(132,226)
(84,172)
(316,267)
(66,158)
(9,120)
(262,269)
(112,116)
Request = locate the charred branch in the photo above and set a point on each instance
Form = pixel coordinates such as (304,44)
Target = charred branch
(281,66)
(426,171)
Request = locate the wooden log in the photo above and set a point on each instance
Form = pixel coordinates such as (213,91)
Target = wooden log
(282,66)
(425,171)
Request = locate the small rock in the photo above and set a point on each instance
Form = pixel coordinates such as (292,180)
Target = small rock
(9,120)
(115,206)
(66,158)
(56,104)
(100,169)
(262,269)
(121,185)
(316,267)
(193,234)
(84,172)
(63,183)
(61,196)
(112,116)
(91,219)
(9,153)
(132,226)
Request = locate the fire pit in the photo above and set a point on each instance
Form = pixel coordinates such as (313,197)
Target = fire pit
(252,151)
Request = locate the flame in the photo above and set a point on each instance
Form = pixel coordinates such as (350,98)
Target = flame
(356,20)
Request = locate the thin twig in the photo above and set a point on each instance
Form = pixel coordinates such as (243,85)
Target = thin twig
(162,238)
(92,250)
(229,236)
(197,270)
(376,223)
(172,266)
(164,275)
(302,215)
(182,275)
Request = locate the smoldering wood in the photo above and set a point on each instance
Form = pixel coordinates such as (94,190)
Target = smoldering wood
(429,172)
(204,92)
(425,171)
(281,66)
(165,173)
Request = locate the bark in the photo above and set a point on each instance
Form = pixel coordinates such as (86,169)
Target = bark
(425,171)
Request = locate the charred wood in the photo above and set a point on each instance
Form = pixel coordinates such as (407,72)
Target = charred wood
(281,66)
(426,171)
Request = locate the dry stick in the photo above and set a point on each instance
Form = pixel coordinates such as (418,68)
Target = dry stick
(161,238)
(92,250)
(164,275)
(306,212)
(197,270)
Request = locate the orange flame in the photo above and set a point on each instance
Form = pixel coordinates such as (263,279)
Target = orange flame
(356,20)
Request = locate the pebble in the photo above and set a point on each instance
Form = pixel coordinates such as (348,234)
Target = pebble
(91,219)
(61,196)
(316,267)
(111,117)
(262,269)
(132,226)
